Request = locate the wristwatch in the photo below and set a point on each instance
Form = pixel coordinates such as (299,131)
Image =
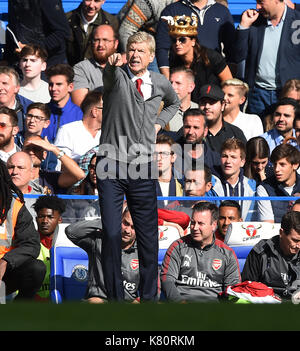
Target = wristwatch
(61,153)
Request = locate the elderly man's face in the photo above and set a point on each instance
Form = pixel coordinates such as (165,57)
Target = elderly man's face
(139,57)
(8,90)
(20,169)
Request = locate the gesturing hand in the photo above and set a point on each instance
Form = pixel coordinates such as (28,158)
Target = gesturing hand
(115,60)
(249,17)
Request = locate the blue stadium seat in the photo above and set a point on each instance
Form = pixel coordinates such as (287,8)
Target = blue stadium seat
(242,236)
(69,269)
(69,272)
(241,253)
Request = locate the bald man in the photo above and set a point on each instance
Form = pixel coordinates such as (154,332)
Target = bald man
(20,168)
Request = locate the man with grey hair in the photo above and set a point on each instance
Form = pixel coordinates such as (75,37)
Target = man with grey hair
(131,101)
(9,97)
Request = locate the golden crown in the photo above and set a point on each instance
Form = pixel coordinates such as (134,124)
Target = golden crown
(182,25)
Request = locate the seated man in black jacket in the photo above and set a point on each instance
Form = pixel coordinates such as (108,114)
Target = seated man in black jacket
(275,261)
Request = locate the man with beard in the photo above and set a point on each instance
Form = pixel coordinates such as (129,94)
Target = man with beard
(88,73)
(82,21)
(8,131)
(193,146)
(213,104)
(283,119)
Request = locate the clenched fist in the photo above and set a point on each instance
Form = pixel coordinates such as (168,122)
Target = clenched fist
(249,17)
(115,60)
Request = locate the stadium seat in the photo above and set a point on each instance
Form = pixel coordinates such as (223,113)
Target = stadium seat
(166,235)
(242,236)
(69,269)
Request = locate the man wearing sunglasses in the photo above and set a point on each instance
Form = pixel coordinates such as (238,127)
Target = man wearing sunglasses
(8,131)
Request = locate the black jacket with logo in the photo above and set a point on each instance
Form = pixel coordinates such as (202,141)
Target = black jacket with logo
(266,264)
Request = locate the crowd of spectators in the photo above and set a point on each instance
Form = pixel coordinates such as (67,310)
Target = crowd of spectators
(236,132)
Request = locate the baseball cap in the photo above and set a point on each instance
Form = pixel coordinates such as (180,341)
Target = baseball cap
(211,91)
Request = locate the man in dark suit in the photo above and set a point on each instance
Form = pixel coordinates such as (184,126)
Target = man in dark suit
(131,101)
(268,39)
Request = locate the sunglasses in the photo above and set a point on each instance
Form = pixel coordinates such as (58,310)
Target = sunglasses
(182,40)
(4,125)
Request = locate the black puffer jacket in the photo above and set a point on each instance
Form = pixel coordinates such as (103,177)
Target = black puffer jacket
(266,264)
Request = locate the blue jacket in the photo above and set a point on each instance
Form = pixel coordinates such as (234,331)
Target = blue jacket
(217,27)
(274,188)
(249,44)
(60,116)
(21,108)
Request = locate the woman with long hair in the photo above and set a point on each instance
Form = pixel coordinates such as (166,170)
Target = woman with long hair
(208,66)
(257,165)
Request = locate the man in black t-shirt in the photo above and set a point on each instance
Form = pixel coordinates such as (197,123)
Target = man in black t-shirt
(212,103)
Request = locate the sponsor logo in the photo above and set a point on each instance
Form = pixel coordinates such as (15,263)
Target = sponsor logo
(162,235)
(131,287)
(216,264)
(217,19)
(251,230)
(134,264)
(80,273)
(187,261)
(200,280)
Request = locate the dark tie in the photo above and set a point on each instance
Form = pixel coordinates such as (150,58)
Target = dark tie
(138,84)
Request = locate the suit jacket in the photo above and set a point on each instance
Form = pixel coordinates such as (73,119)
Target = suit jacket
(126,114)
(249,44)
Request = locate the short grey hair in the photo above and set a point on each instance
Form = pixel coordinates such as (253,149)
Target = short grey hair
(12,73)
(141,37)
